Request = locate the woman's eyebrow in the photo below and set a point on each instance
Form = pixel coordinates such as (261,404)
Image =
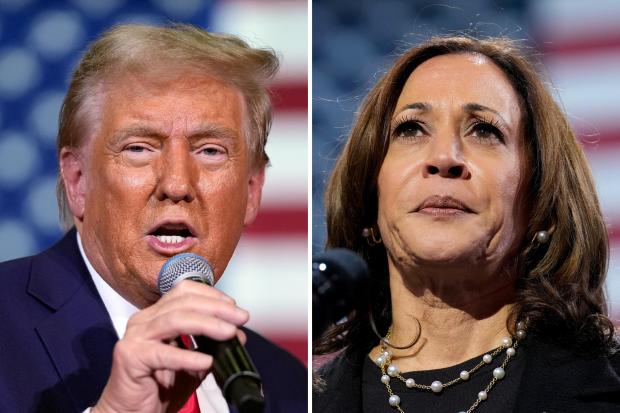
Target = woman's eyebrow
(477,107)
(422,106)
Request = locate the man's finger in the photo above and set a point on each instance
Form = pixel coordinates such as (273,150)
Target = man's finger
(159,356)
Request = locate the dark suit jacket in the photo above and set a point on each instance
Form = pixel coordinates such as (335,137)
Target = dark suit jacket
(554,381)
(57,339)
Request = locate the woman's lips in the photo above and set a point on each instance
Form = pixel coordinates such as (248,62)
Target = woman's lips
(443,206)
(440,212)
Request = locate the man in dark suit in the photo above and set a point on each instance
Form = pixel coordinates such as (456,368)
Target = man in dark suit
(161,151)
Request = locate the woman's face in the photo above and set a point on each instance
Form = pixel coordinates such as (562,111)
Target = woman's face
(448,186)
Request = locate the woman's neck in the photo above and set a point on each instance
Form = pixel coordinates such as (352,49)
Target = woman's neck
(458,321)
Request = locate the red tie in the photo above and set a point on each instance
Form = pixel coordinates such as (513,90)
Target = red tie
(191,406)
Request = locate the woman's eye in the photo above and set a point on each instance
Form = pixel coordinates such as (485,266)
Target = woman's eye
(408,129)
(486,131)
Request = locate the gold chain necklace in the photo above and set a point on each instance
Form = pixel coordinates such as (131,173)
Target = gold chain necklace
(389,371)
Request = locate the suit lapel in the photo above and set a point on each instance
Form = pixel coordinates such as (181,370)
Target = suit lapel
(78,335)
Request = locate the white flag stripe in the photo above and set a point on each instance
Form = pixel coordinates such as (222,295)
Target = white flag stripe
(267,276)
(279,25)
(604,166)
(287,147)
(613,283)
(588,86)
(565,20)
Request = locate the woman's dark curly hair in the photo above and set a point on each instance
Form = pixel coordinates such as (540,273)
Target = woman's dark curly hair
(560,285)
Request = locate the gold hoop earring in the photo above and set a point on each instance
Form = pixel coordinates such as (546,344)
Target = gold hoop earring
(386,340)
(369,234)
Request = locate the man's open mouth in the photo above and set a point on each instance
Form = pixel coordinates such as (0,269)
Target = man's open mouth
(172,233)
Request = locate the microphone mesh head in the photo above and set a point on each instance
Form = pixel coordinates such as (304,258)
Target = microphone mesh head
(180,265)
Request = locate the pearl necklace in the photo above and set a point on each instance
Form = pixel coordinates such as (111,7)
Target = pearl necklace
(389,371)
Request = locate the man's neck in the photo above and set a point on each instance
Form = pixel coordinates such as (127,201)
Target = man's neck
(118,308)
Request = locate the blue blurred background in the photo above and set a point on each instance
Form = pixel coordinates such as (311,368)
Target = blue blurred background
(40,43)
(578,42)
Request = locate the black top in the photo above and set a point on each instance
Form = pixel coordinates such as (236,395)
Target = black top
(456,398)
(554,379)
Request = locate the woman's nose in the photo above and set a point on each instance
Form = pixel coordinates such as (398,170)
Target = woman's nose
(445,158)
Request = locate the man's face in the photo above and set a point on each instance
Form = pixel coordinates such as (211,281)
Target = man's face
(168,171)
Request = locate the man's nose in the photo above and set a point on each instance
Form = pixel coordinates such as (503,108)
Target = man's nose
(177,173)
(445,157)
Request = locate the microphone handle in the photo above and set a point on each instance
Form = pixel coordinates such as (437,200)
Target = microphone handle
(234,373)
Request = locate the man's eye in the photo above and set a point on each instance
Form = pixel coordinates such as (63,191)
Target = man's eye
(136,148)
(212,151)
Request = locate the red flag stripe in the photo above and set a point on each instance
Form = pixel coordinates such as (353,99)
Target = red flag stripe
(290,96)
(601,139)
(583,45)
(280,221)
(614,232)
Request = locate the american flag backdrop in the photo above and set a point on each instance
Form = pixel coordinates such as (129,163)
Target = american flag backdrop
(40,43)
(578,42)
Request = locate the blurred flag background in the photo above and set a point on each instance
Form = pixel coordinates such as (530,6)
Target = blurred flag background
(577,41)
(40,43)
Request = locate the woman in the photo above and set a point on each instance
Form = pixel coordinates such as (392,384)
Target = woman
(464,188)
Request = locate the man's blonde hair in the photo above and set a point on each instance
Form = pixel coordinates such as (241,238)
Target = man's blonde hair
(143,49)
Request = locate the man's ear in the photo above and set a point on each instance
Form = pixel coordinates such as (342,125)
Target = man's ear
(72,174)
(255,191)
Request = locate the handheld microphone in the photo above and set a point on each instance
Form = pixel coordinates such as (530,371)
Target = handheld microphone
(233,369)
(339,277)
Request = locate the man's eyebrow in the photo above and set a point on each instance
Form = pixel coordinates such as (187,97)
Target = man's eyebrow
(210,130)
(207,130)
(138,129)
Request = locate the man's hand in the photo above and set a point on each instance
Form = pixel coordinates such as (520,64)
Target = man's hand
(149,372)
